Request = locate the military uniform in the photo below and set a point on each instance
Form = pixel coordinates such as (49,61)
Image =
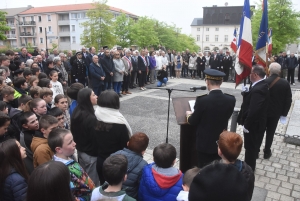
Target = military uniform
(211,114)
(79,71)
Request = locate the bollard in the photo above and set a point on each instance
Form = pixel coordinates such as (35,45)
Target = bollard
(234,119)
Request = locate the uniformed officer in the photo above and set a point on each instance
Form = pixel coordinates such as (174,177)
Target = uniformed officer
(79,70)
(211,114)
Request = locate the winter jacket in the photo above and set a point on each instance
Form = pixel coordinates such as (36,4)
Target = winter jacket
(119,67)
(136,163)
(14,188)
(158,187)
(100,194)
(41,151)
(19,92)
(25,141)
(292,62)
(192,63)
(161,74)
(14,129)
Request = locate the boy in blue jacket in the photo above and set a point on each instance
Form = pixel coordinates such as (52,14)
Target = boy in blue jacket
(160,180)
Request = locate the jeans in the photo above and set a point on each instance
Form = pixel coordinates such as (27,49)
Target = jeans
(117,87)
(159,83)
(98,90)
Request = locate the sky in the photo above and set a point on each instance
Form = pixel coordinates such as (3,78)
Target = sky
(178,12)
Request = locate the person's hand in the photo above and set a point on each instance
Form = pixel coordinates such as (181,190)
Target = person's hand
(111,74)
(244,88)
(64,82)
(282,119)
(140,72)
(222,67)
(245,130)
(188,113)
(102,78)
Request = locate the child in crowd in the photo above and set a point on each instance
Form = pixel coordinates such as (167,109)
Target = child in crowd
(114,172)
(33,82)
(137,146)
(56,85)
(7,93)
(58,114)
(19,73)
(35,91)
(72,92)
(3,107)
(42,75)
(45,82)
(61,102)
(30,124)
(20,86)
(27,75)
(61,143)
(4,123)
(47,95)
(37,106)
(36,71)
(229,148)
(6,75)
(39,146)
(160,180)
(186,183)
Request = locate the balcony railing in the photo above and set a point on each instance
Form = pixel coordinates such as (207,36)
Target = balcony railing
(11,25)
(27,23)
(64,33)
(27,34)
(8,36)
(63,22)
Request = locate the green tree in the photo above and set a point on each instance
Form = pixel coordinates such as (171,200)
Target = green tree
(122,30)
(284,21)
(98,30)
(3,26)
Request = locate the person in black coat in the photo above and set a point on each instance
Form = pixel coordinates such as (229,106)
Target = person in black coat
(134,61)
(201,65)
(108,66)
(227,63)
(253,114)
(79,71)
(97,76)
(211,114)
(279,104)
(214,61)
(142,69)
(291,66)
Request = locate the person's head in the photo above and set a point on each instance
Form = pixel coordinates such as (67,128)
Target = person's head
(292,55)
(55,52)
(109,99)
(11,157)
(10,54)
(19,73)
(2,82)
(47,123)
(49,63)
(23,100)
(44,82)
(284,54)
(35,71)
(33,81)
(164,155)
(57,61)
(21,65)
(107,52)
(115,169)
(34,92)
(213,78)
(34,65)
(4,61)
(42,75)
(50,181)
(27,74)
(95,59)
(92,50)
(188,178)
(3,107)
(43,55)
(7,93)
(29,121)
(58,114)
(39,58)
(61,142)
(53,75)
(20,82)
(61,102)
(24,51)
(4,123)
(73,90)
(138,143)
(229,146)
(46,94)
(79,55)
(117,55)
(38,106)
(84,103)
(275,68)
(257,73)
(6,71)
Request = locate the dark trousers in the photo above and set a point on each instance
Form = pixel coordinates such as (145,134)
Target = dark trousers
(132,78)
(142,78)
(201,72)
(270,131)
(205,158)
(226,71)
(99,168)
(125,82)
(193,73)
(184,70)
(291,75)
(98,90)
(299,73)
(170,70)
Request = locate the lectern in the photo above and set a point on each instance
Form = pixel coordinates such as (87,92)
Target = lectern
(188,152)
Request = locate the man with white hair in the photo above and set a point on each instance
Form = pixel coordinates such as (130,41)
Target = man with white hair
(41,62)
(55,54)
(279,104)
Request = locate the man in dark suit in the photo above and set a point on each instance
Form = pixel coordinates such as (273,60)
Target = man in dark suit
(279,104)
(211,114)
(221,59)
(227,63)
(142,69)
(97,75)
(108,67)
(41,63)
(214,61)
(253,114)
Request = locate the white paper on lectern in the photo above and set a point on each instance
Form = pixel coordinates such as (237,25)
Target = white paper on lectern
(192,104)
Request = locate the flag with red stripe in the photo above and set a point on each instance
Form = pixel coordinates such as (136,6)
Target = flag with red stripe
(233,42)
(270,41)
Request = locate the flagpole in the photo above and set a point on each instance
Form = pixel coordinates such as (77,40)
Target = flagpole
(267,60)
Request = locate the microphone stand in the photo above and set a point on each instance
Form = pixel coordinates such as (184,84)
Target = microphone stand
(169,100)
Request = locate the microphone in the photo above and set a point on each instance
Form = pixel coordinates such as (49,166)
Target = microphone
(198,88)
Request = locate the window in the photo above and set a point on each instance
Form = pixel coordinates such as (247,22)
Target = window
(41,29)
(73,27)
(116,15)
(73,39)
(198,37)
(49,18)
(50,40)
(74,15)
(206,29)
(49,29)
(23,19)
(32,18)
(12,32)
(82,15)
(217,28)
(206,49)
(216,38)
(198,29)
(41,40)
(24,29)
(40,18)
(33,41)
(226,38)
(207,38)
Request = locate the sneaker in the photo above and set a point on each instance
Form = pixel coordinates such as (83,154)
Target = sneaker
(142,89)
(294,84)
(120,95)
(128,92)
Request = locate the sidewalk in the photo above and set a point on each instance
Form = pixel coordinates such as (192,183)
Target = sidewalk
(280,175)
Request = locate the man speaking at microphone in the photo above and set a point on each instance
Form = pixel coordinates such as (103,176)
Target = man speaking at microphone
(211,114)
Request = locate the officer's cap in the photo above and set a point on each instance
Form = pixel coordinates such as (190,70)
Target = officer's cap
(212,74)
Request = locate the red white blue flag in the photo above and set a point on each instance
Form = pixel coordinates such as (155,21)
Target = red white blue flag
(233,42)
(270,40)
(243,63)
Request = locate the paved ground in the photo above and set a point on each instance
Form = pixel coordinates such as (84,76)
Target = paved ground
(278,177)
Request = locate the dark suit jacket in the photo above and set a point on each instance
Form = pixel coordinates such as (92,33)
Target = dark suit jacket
(214,62)
(96,72)
(253,114)
(141,64)
(227,62)
(42,66)
(108,67)
(280,97)
(211,114)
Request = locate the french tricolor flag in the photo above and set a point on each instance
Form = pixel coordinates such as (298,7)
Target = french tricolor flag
(244,48)
(270,40)
(233,42)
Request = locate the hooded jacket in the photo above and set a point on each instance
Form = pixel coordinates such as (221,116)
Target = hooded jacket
(41,151)
(158,187)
